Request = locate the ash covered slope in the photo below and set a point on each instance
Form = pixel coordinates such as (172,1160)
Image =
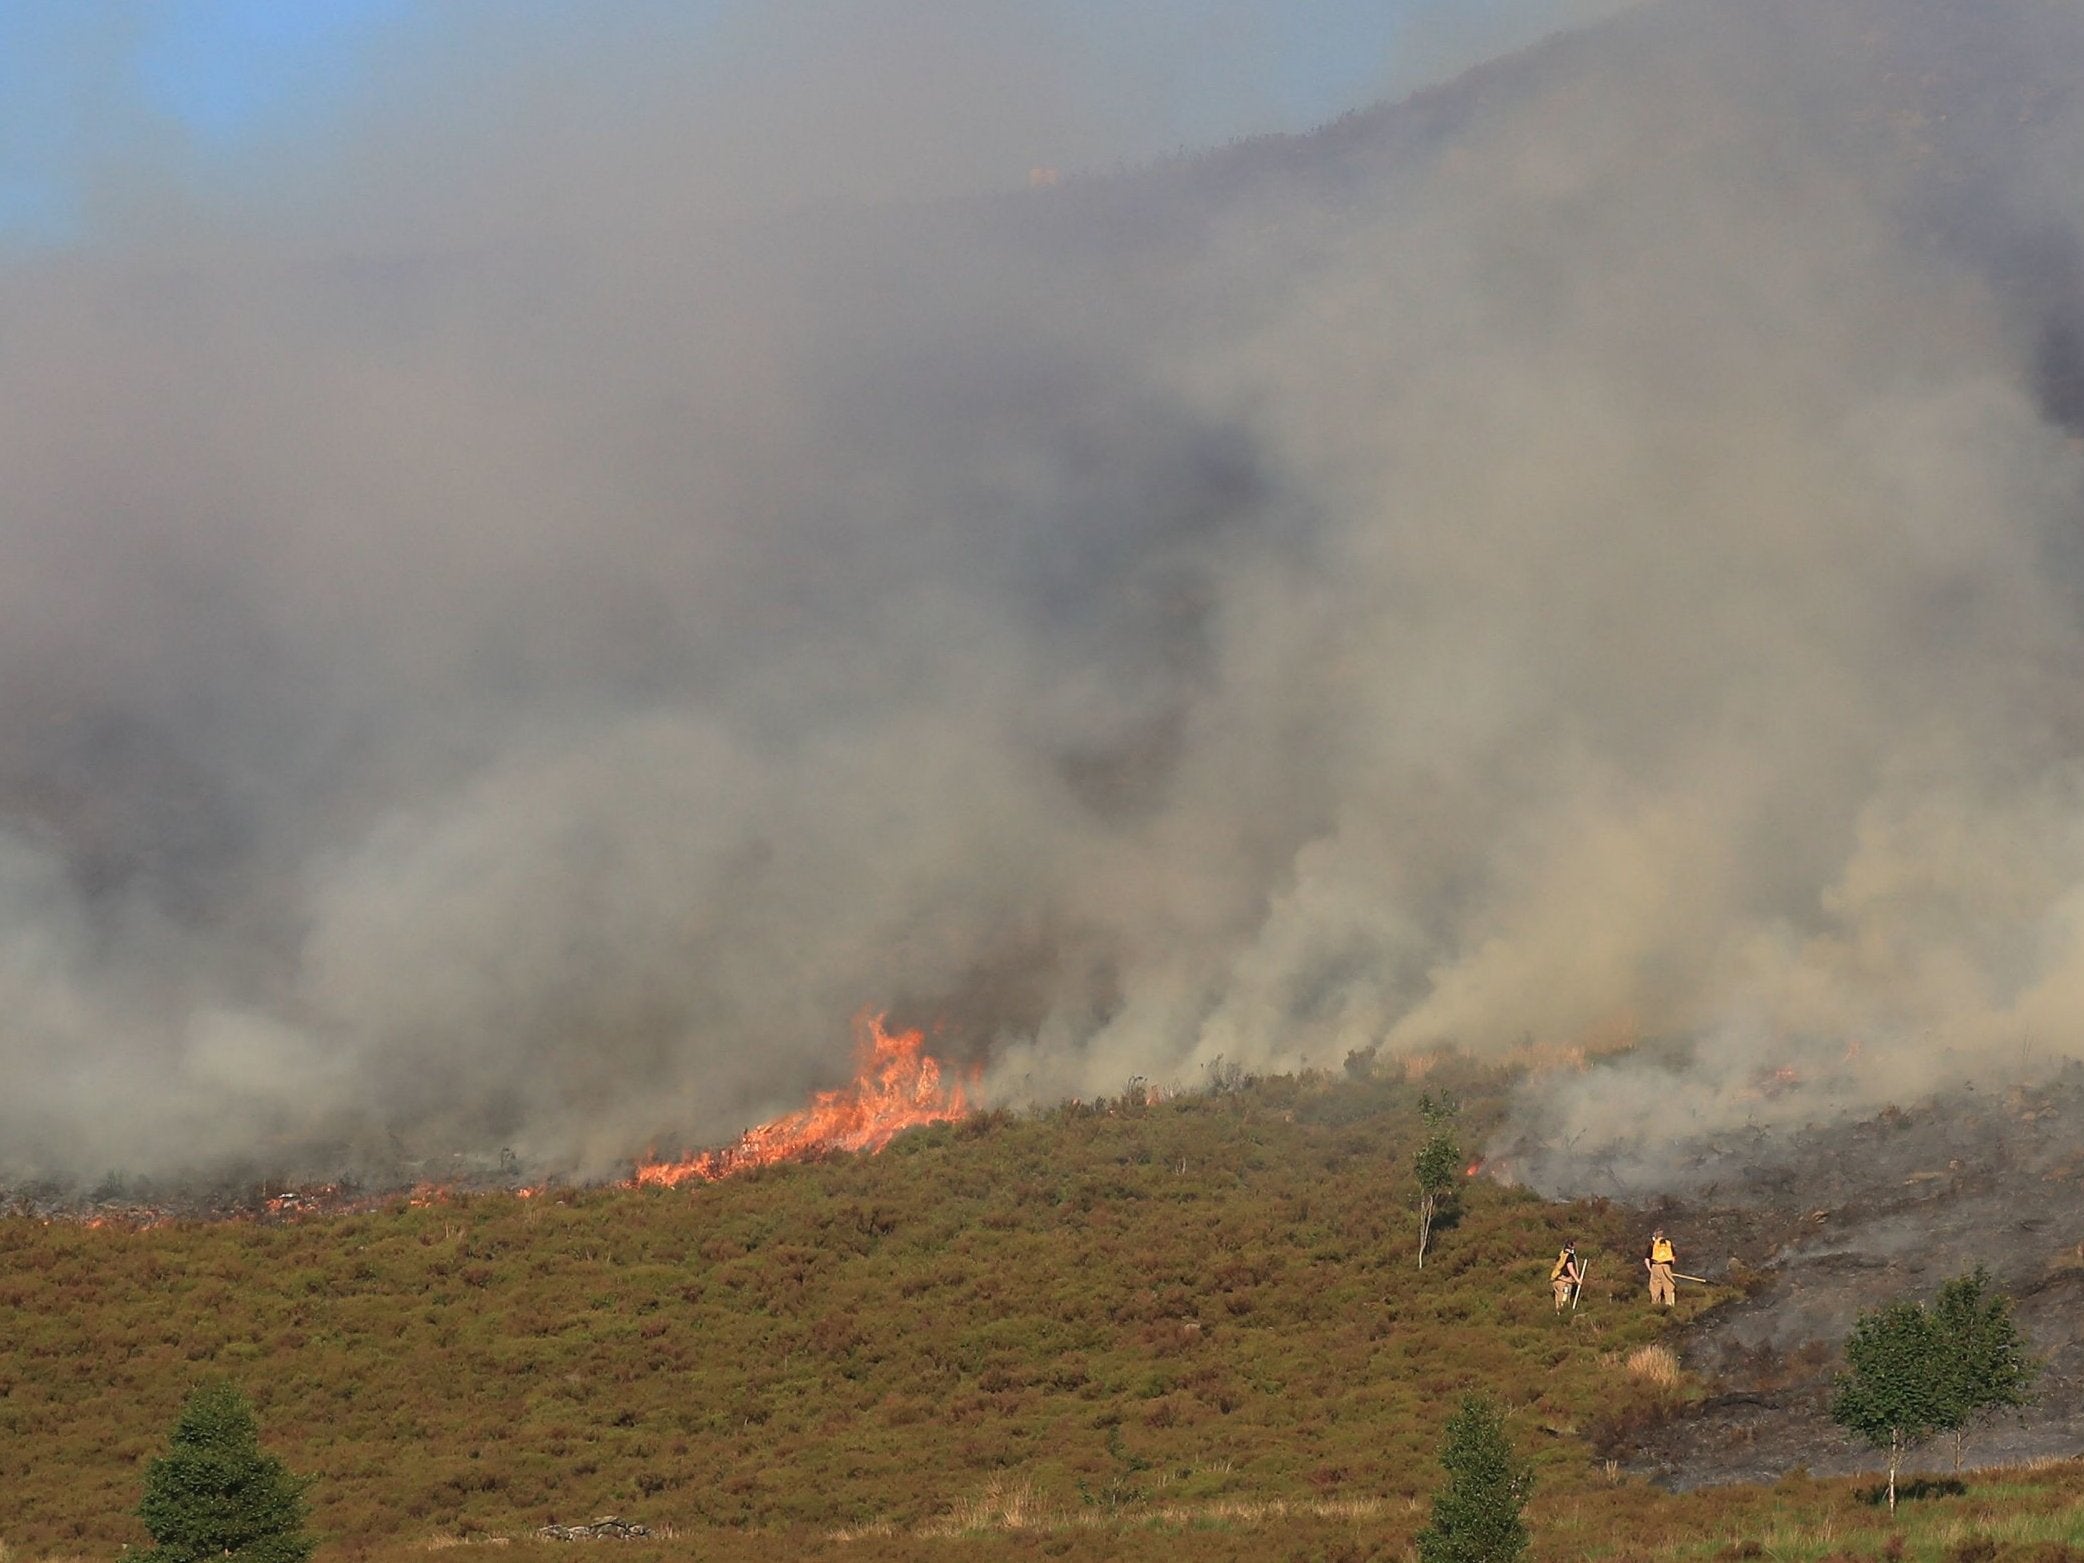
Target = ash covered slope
(1844,1217)
(519,660)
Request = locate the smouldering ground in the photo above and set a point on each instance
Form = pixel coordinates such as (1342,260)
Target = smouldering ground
(1845,1216)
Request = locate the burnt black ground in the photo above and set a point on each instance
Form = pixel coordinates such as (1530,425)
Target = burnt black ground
(1827,1221)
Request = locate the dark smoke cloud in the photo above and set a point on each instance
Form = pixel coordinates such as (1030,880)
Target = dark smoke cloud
(515,641)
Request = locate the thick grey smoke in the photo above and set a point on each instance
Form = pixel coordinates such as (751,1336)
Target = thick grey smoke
(1591,551)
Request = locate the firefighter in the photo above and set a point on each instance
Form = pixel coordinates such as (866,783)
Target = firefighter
(1566,1276)
(1658,1260)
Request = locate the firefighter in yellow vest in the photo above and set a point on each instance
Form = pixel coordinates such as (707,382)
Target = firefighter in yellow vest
(1659,1261)
(1564,1278)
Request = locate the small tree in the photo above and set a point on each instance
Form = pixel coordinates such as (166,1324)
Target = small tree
(1897,1389)
(1986,1366)
(1437,1166)
(214,1494)
(1476,1514)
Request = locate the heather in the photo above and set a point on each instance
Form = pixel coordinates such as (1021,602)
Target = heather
(1188,1327)
(1204,1300)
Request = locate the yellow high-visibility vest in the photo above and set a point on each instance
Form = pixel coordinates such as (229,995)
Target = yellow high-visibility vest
(1661,1252)
(1562,1263)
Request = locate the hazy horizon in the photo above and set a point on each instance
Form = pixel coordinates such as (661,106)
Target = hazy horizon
(527,611)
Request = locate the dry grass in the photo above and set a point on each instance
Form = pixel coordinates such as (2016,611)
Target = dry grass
(444,1542)
(875,1531)
(1003,1505)
(1654,1364)
(1015,1506)
(1265,1511)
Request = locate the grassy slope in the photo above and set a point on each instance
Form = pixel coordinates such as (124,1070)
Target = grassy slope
(1191,1329)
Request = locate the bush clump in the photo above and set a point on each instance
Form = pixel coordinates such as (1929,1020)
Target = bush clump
(1476,1513)
(215,1494)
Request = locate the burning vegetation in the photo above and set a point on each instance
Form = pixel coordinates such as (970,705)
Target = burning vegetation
(897,1086)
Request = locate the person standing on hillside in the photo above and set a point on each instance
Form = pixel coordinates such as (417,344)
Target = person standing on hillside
(1566,1276)
(1659,1261)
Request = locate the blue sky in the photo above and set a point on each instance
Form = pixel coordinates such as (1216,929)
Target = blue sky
(226,68)
(130,92)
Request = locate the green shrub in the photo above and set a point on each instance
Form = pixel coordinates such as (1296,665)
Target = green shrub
(1895,1392)
(1436,1168)
(1476,1513)
(1986,1366)
(215,1494)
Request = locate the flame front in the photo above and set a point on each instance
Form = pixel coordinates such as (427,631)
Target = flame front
(896,1087)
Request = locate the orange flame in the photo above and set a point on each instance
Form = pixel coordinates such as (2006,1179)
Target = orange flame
(302,1201)
(896,1087)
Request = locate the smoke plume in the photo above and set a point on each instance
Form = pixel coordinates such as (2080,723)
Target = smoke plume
(515,638)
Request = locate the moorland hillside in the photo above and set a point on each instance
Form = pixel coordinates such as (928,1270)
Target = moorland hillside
(1191,1303)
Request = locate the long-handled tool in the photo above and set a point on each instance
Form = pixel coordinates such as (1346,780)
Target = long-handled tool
(1700,1278)
(1578,1290)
